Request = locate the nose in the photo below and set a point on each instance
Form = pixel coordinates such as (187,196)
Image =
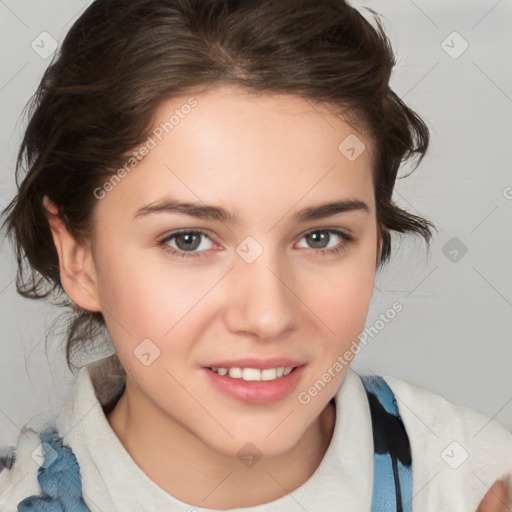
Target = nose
(261,300)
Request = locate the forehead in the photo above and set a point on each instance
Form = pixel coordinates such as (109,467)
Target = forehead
(227,145)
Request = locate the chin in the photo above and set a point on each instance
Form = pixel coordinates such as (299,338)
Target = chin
(250,448)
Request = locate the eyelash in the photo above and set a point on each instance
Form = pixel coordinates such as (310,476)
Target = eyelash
(348,239)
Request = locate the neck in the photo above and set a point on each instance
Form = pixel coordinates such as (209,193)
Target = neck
(192,472)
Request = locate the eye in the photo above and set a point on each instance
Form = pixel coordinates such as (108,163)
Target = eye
(320,238)
(189,243)
(186,242)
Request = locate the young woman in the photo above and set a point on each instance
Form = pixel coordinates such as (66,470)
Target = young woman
(209,182)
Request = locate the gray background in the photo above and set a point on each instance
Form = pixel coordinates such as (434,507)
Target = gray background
(453,334)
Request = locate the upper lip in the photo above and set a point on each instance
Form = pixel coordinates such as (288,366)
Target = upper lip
(261,364)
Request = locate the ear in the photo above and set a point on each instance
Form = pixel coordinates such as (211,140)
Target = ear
(77,269)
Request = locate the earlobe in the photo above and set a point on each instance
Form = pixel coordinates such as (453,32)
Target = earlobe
(77,270)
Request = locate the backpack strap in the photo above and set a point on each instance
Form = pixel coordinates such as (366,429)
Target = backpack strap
(392,471)
(58,477)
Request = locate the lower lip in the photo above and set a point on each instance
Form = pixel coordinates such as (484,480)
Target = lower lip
(256,392)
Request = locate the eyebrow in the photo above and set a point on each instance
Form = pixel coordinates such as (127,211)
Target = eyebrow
(211,212)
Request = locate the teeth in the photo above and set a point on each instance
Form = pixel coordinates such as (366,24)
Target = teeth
(235,373)
(269,374)
(249,374)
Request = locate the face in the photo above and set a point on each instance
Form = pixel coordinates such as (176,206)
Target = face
(254,275)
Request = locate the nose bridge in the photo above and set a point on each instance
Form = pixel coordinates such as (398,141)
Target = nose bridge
(263,302)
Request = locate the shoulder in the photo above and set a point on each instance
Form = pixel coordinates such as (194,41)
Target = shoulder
(457,452)
(19,467)
(443,416)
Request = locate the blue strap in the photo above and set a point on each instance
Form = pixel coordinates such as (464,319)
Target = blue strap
(392,475)
(59,479)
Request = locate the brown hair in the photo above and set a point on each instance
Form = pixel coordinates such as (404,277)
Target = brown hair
(122,58)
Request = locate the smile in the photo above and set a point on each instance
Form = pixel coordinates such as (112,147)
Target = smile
(254,385)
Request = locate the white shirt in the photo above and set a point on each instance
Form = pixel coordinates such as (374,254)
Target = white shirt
(457,454)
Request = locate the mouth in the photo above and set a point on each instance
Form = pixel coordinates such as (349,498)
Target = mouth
(254,385)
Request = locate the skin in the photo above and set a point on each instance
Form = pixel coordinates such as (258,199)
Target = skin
(496,498)
(263,158)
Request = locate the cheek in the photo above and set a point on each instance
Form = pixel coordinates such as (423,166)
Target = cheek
(342,298)
(145,296)
(149,295)
(340,307)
